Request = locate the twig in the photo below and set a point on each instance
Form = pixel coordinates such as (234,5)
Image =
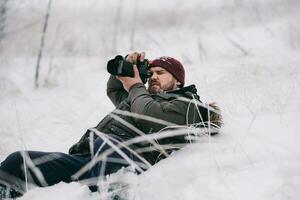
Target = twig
(239,47)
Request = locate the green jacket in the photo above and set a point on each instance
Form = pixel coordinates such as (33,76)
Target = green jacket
(149,113)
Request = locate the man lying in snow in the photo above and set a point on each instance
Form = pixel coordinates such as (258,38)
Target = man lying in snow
(167,113)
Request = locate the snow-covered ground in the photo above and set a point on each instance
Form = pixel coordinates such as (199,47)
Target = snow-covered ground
(242,54)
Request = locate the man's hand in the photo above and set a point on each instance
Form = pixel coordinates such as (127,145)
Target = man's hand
(128,82)
(133,57)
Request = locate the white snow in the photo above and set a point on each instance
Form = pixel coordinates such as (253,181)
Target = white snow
(244,55)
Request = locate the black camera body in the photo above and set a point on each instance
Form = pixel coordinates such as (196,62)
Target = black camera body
(119,66)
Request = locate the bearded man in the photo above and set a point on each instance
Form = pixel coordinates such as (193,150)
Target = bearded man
(145,127)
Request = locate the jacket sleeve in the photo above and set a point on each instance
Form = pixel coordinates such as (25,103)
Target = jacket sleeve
(142,102)
(115,91)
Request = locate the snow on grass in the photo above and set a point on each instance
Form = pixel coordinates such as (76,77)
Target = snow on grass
(70,191)
(243,55)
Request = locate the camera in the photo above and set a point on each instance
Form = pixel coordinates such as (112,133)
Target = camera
(119,66)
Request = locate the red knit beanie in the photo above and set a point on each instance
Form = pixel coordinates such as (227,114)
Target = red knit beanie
(171,65)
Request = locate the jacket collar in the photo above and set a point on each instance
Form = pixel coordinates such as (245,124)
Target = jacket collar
(191,88)
(188,91)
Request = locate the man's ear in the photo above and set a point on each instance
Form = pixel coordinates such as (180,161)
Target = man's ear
(178,84)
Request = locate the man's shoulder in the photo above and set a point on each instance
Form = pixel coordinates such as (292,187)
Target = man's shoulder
(165,96)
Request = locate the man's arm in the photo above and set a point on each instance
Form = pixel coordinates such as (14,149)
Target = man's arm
(118,91)
(115,90)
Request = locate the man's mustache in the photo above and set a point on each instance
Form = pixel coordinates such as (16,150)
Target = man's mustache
(154,83)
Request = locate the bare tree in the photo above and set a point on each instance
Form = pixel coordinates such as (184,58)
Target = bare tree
(201,49)
(133,28)
(3,10)
(116,26)
(36,83)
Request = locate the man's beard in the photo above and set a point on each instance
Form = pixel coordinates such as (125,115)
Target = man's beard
(155,86)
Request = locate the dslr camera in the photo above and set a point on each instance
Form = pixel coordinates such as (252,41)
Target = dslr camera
(119,66)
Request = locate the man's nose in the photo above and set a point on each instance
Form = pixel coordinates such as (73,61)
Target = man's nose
(154,76)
